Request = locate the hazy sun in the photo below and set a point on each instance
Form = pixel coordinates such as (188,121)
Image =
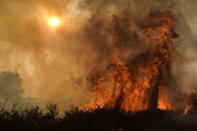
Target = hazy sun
(54,21)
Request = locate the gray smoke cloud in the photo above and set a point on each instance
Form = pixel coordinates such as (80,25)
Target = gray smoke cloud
(55,65)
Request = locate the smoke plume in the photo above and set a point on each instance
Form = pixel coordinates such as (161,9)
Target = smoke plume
(59,65)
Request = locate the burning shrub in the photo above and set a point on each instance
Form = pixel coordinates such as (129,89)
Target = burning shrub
(191,100)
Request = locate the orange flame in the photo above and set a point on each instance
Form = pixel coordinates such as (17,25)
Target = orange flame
(191,99)
(137,86)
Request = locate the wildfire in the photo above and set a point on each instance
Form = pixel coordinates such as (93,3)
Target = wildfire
(191,99)
(138,85)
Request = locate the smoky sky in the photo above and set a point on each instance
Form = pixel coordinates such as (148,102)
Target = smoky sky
(54,64)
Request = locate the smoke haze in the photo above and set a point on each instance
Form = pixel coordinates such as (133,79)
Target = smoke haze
(56,65)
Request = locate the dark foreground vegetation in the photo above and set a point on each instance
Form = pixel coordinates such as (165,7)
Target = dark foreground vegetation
(98,120)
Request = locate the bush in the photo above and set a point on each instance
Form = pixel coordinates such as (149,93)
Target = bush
(34,119)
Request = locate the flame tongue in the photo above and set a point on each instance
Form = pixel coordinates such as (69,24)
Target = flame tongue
(137,86)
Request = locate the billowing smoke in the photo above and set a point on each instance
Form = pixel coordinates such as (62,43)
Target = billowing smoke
(58,65)
(51,63)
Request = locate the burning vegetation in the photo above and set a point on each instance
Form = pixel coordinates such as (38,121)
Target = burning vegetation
(132,81)
(191,100)
(141,83)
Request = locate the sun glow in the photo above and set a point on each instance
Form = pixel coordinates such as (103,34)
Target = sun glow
(54,22)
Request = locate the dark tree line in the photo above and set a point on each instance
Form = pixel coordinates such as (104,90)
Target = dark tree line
(34,119)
